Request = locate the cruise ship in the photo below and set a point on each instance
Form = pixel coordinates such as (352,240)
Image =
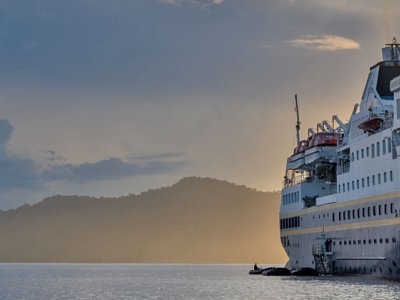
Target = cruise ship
(340,206)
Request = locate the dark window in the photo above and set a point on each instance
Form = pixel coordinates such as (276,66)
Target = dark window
(358,184)
(368,181)
(380,209)
(386,74)
(383,147)
(362,183)
(363,212)
(359,242)
(380,241)
(373,179)
(373,150)
(367,151)
(340,243)
(387,241)
(362,153)
(348,214)
(391,175)
(378,149)
(374,210)
(369,241)
(354,213)
(358,213)
(349,242)
(379,178)
(333,217)
(391,208)
(389,145)
(340,216)
(385,209)
(374,241)
(369,211)
(393,240)
(384,177)
(344,215)
(364,242)
(344,243)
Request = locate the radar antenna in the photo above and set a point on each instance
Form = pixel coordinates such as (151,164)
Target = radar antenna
(298,122)
(394,49)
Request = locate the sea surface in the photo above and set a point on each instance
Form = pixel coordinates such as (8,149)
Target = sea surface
(139,281)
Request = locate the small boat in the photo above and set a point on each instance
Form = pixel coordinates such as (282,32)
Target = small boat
(371,125)
(305,272)
(276,272)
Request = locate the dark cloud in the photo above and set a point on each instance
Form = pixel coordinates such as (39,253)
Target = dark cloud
(26,174)
(109,169)
(160,156)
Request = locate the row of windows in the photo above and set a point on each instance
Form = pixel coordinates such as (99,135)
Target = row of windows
(363,212)
(364,242)
(291,198)
(384,145)
(292,222)
(365,182)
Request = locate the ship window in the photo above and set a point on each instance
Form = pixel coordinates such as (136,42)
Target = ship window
(344,243)
(373,179)
(348,214)
(354,242)
(364,242)
(358,155)
(379,209)
(344,215)
(391,175)
(363,212)
(379,178)
(380,241)
(359,242)
(374,210)
(340,243)
(352,156)
(362,183)
(369,211)
(373,150)
(349,242)
(378,149)
(387,241)
(358,213)
(348,186)
(344,187)
(383,147)
(384,177)
(391,208)
(393,240)
(367,151)
(352,185)
(354,213)
(340,216)
(358,184)
(389,145)
(339,187)
(362,153)
(367,180)
(333,217)
(369,241)
(385,209)
(398,108)
(374,241)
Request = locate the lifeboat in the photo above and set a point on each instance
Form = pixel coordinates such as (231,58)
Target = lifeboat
(322,148)
(297,159)
(371,125)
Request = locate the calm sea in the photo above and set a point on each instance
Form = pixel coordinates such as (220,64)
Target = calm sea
(137,281)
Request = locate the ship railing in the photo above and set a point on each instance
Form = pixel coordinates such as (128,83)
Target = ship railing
(301,178)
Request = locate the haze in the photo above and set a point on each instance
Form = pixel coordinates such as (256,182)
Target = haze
(107,98)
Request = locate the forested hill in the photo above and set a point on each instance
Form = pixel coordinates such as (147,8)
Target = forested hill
(196,220)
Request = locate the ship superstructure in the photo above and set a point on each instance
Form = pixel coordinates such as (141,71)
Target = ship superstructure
(340,208)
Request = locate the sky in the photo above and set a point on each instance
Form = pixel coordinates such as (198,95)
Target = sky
(109,98)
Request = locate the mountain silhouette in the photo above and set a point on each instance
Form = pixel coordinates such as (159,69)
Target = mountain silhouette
(196,220)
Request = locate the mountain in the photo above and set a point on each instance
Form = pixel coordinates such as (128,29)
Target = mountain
(196,220)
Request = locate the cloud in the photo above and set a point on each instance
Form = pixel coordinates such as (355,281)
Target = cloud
(19,173)
(199,3)
(109,169)
(325,43)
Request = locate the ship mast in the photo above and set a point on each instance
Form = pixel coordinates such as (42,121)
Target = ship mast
(298,121)
(394,49)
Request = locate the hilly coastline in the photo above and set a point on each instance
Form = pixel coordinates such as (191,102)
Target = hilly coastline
(196,220)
